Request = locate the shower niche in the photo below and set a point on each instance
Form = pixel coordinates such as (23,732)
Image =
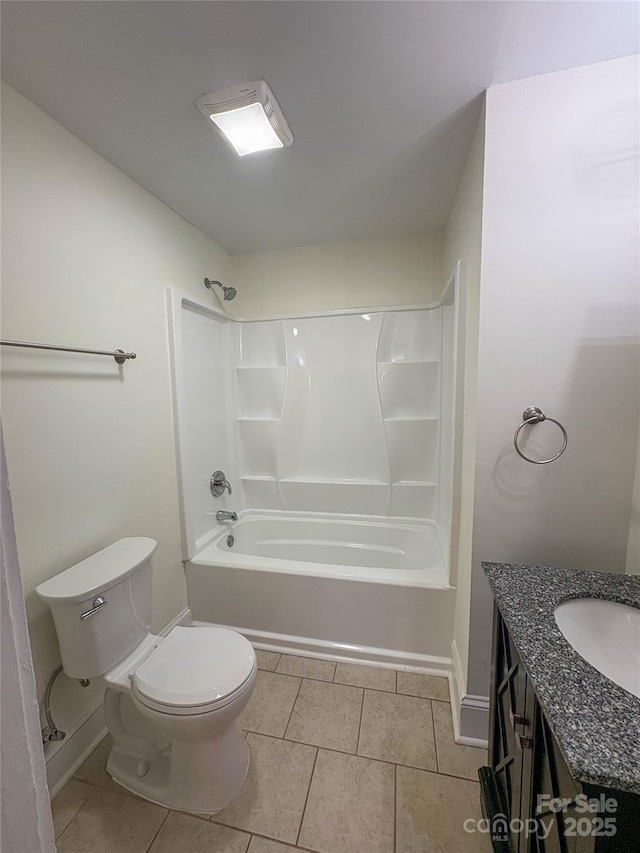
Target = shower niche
(339,413)
(409,381)
(259,374)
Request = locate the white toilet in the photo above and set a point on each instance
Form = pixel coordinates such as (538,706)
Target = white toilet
(172,703)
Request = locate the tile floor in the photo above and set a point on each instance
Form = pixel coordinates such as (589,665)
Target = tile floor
(344,759)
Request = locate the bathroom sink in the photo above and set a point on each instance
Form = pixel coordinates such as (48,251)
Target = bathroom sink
(607,635)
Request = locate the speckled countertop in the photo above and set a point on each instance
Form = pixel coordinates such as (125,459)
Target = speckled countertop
(597,723)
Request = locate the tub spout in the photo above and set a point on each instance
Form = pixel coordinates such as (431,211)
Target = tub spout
(222,515)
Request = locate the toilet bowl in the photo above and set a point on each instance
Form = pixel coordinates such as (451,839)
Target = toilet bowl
(172,702)
(189,693)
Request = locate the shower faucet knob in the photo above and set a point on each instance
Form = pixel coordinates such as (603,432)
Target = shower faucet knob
(218,483)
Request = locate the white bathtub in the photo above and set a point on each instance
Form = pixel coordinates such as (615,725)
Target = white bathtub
(332,546)
(359,587)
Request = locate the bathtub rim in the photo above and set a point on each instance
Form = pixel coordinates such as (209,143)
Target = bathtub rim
(434,578)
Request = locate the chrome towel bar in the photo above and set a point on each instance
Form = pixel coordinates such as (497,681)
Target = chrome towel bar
(534,415)
(119,355)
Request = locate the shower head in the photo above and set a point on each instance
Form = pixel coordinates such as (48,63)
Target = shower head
(229,293)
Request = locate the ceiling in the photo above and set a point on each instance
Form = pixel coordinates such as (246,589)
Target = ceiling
(382,98)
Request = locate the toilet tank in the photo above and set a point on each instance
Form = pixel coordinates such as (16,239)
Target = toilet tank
(101,607)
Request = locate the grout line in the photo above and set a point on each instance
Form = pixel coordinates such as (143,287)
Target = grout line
(60,831)
(284,734)
(395,808)
(311,677)
(360,723)
(290,739)
(279,654)
(330,749)
(121,790)
(285,844)
(435,737)
(162,823)
(306,799)
(418,696)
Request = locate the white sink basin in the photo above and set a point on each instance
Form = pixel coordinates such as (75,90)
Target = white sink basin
(607,635)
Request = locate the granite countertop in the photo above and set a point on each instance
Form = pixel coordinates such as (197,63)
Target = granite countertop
(597,723)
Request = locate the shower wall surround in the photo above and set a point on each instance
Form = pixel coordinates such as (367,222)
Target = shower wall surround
(338,413)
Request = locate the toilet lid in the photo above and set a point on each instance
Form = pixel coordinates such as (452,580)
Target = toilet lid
(195,666)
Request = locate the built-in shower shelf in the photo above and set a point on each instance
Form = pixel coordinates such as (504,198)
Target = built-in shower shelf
(413,483)
(332,481)
(247,367)
(259,393)
(411,418)
(258,478)
(409,361)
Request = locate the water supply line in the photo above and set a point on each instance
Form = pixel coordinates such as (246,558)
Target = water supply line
(51,732)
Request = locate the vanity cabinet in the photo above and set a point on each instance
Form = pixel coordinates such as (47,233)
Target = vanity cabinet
(528,776)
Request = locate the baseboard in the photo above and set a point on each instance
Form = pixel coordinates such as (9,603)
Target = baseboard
(325,649)
(474,720)
(470,713)
(63,761)
(183,618)
(456,690)
(74,749)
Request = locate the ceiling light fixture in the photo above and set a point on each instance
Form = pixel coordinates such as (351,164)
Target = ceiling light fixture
(248,116)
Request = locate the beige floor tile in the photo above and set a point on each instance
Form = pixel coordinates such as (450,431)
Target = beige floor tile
(265,845)
(272,798)
(270,706)
(322,670)
(397,729)
(453,758)
(373,677)
(326,715)
(350,807)
(183,833)
(112,823)
(267,660)
(94,769)
(68,802)
(426,686)
(431,811)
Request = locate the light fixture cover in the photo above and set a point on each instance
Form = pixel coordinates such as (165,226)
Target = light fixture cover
(248,116)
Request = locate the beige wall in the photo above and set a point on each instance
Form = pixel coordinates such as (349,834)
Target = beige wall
(559,309)
(87,255)
(463,242)
(353,274)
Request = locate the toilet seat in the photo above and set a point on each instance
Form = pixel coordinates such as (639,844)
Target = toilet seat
(194,670)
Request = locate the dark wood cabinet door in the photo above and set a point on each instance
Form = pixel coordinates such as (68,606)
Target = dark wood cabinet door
(508,748)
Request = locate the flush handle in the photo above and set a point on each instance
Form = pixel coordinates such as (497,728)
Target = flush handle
(98,604)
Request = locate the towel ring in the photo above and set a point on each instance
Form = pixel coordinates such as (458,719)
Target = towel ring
(534,415)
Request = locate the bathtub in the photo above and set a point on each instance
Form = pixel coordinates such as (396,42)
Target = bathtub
(356,587)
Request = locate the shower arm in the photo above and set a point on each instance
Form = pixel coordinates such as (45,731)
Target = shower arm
(229,293)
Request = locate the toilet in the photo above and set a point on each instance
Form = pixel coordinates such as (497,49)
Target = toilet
(172,702)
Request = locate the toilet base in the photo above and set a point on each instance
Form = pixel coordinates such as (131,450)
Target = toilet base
(187,777)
